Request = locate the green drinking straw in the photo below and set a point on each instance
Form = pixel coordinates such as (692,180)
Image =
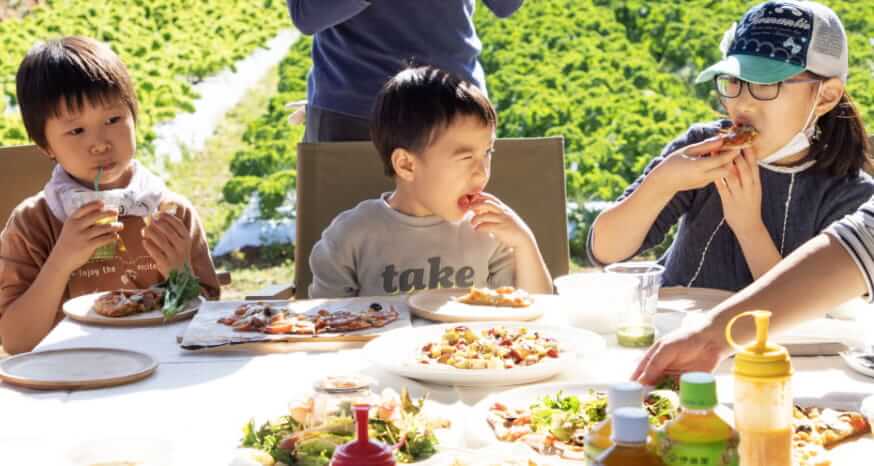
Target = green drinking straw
(97,179)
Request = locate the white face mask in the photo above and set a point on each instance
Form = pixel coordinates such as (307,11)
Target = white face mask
(798,143)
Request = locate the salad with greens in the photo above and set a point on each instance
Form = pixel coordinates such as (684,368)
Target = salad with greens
(180,287)
(567,417)
(558,424)
(296,440)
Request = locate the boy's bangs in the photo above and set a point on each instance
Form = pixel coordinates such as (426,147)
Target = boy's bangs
(467,102)
(442,125)
(74,103)
(418,105)
(61,76)
(76,82)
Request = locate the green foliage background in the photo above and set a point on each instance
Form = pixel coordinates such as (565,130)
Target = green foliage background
(167,45)
(614,77)
(267,164)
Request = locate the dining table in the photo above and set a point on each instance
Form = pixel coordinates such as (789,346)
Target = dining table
(192,409)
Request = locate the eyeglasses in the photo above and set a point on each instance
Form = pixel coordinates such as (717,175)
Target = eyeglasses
(731,87)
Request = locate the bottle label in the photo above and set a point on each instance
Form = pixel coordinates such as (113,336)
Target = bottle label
(722,453)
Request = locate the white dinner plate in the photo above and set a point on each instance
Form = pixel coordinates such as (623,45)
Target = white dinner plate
(81,309)
(852,358)
(481,433)
(76,368)
(396,352)
(440,305)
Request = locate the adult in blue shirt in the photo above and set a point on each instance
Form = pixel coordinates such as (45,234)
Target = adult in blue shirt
(359,44)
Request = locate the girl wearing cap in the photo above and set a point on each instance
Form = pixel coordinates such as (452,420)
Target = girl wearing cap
(742,209)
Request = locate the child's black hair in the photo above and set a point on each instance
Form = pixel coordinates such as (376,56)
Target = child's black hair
(417,104)
(67,71)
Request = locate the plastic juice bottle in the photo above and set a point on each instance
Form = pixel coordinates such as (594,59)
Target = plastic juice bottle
(762,397)
(621,395)
(698,436)
(631,429)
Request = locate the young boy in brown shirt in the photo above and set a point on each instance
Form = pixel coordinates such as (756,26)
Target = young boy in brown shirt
(78,105)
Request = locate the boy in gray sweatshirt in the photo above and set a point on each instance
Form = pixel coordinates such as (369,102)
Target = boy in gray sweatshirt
(439,228)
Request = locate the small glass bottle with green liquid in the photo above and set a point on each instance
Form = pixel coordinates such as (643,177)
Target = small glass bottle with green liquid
(630,432)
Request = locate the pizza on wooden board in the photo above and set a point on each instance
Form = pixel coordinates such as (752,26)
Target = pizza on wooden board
(278,319)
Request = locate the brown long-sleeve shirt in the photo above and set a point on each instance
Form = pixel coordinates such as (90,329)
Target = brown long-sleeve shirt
(32,232)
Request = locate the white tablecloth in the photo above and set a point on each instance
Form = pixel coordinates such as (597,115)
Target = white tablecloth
(195,405)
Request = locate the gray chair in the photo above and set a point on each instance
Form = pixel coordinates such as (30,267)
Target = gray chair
(528,174)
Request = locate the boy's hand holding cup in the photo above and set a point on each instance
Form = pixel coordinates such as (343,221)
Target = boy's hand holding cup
(90,228)
(109,216)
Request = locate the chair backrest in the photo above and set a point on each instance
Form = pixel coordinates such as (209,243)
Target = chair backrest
(527,174)
(24,171)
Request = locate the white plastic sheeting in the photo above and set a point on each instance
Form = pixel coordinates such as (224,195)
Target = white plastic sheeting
(10,109)
(249,230)
(219,94)
(190,131)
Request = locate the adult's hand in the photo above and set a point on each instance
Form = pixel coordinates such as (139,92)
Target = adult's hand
(299,113)
(696,349)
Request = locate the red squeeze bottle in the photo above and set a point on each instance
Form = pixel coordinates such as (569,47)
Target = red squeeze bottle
(362,451)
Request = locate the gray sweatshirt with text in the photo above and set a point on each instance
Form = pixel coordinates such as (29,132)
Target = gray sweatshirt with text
(374,250)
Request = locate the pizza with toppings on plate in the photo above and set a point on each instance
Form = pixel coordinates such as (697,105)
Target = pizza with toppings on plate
(817,430)
(505,296)
(123,303)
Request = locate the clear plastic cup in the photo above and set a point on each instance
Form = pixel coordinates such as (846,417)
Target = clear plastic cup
(637,329)
(599,300)
(111,201)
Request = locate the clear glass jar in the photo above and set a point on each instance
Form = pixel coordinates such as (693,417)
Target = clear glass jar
(335,395)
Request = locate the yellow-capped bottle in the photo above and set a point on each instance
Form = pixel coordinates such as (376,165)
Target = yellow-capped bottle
(620,395)
(630,432)
(762,396)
